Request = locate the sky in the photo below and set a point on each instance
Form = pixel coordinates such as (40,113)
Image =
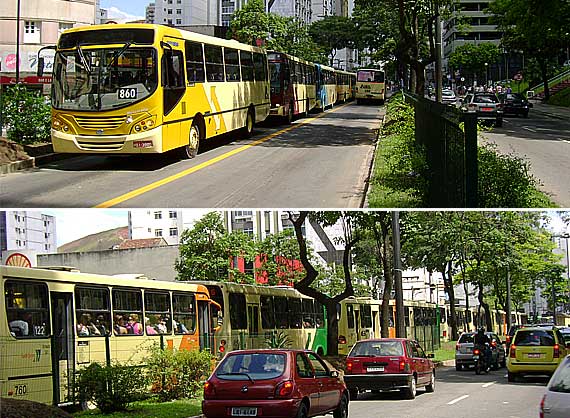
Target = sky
(125,9)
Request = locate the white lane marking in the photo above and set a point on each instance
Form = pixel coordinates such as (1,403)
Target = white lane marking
(486,385)
(458,399)
(507,375)
(528,129)
(565,140)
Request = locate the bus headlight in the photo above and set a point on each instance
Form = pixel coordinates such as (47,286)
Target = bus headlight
(144,124)
(59,125)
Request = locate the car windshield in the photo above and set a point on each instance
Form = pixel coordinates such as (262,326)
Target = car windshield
(534,337)
(561,380)
(103,78)
(485,98)
(251,366)
(275,71)
(377,348)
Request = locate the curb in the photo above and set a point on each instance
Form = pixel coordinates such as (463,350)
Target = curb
(365,203)
(14,166)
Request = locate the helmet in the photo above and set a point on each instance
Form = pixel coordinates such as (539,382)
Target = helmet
(481,330)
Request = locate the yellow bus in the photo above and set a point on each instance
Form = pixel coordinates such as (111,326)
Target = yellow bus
(370,85)
(259,316)
(359,320)
(57,321)
(144,89)
(345,84)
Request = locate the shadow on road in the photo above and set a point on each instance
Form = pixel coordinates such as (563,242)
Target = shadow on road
(450,375)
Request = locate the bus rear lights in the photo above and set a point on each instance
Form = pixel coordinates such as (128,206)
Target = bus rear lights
(222,347)
(142,144)
(342,339)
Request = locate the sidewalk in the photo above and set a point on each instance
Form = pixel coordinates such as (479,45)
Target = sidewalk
(557,112)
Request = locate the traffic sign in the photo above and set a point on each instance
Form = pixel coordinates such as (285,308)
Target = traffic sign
(518,77)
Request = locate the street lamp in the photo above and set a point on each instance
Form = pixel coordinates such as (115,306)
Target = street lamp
(486,73)
(18,43)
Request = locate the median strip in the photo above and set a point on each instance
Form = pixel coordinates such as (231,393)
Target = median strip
(137,192)
(458,399)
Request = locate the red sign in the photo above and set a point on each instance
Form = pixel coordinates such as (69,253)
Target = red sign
(32,79)
(10,62)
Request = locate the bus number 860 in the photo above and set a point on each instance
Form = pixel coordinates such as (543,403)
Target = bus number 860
(127,93)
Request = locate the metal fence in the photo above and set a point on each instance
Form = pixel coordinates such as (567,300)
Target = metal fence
(450,140)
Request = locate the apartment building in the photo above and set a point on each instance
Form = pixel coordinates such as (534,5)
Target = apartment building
(27,231)
(41,22)
(300,9)
(156,223)
(183,12)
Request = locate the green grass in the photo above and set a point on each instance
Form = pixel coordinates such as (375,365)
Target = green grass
(446,352)
(562,98)
(150,409)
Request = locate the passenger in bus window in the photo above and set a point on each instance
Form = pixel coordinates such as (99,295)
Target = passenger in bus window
(93,330)
(102,325)
(161,326)
(179,328)
(150,327)
(119,327)
(133,325)
(82,329)
(20,327)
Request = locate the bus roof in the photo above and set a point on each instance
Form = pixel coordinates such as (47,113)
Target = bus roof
(256,289)
(161,31)
(40,274)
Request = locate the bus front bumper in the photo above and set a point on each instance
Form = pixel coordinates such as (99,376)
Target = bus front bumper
(146,142)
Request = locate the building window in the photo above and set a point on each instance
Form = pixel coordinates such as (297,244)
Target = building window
(170,21)
(178,21)
(173,232)
(178,11)
(149,230)
(169,1)
(31,32)
(169,11)
(158,214)
(46,247)
(63,27)
(172,214)
(158,232)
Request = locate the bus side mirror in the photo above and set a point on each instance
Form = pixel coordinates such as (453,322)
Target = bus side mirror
(40,66)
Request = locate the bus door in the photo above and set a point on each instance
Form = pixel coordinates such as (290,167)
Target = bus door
(375,322)
(357,323)
(253,326)
(64,348)
(205,336)
(173,81)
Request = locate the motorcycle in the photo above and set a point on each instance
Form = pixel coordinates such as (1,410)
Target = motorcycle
(480,360)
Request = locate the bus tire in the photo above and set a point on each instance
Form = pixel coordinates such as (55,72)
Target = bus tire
(289,115)
(190,150)
(249,122)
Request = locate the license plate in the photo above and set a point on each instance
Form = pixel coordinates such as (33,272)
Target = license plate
(244,412)
(534,355)
(487,109)
(375,369)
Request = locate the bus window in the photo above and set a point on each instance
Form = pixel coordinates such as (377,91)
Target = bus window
(194,62)
(238,318)
(127,312)
(308,313)
(232,64)
(246,60)
(350,316)
(267,312)
(27,309)
(184,313)
(295,313)
(319,314)
(157,311)
(172,79)
(260,66)
(366,316)
(93,311)
(214,63)
(281,312)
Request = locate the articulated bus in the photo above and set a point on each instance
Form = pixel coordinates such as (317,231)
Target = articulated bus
(58,321)
(359,319)
(293,90)
(259,316)
(370,85)
(345,86)
(144,89)
(326,87)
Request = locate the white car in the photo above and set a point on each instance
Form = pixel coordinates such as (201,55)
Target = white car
(448,96)
(556,401)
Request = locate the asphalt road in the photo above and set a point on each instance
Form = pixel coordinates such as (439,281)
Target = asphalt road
(320,161)
(458,395)
(545,142)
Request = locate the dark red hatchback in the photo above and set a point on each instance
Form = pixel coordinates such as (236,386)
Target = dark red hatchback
(387,364)
(274,383)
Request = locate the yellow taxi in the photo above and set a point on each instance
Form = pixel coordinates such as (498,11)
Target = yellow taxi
(535,350)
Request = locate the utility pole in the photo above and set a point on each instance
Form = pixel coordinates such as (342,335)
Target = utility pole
(508,300)
(18,43)
(400,323)
(438,65)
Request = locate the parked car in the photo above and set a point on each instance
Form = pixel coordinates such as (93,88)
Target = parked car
(274,383)
(464,351)
(487,106)
(535,350)
(515,103)
(388,364)
(448,96)
(556,401)
(565,331)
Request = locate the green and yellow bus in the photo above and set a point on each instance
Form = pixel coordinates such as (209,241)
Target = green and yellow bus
(58,321)
(259,316)
(359,320)
(144,89)
(370,85)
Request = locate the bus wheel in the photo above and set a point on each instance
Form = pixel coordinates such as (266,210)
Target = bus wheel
(191,149)
(289,116)
(249,122)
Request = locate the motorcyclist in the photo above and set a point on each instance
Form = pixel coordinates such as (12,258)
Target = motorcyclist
(483,343)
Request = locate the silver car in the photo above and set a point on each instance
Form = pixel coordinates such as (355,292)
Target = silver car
(556,401)
(448,96)
(487,106)
(464,351)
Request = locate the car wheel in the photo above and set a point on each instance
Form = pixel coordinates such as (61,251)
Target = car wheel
(410,391)
(431,386)
(458,367)
(303,411)
(353,394)
(342,410)
(511,377)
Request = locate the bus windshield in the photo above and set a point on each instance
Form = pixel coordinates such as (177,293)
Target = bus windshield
(275,70)
(371,76)
(103,78)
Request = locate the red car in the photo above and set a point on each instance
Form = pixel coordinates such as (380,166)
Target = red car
(387,364)
(274,383)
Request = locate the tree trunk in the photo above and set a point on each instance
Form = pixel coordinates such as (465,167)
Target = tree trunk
(332,328)
(489,323)
(448,285)
(385,308)
(544,73)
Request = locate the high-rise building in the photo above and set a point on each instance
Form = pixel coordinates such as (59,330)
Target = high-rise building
(156,223)
(27,231)
(183,12)
(300,9)
(149,13)
(41,23)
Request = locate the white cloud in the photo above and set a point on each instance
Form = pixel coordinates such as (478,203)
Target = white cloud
(119,16)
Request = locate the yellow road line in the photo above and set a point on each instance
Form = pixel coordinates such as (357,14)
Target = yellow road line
(137,192)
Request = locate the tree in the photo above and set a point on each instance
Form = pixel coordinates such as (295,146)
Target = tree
(279,255)
(333,33)
(250,23)
(537,27)
(207,252)
(472,58)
